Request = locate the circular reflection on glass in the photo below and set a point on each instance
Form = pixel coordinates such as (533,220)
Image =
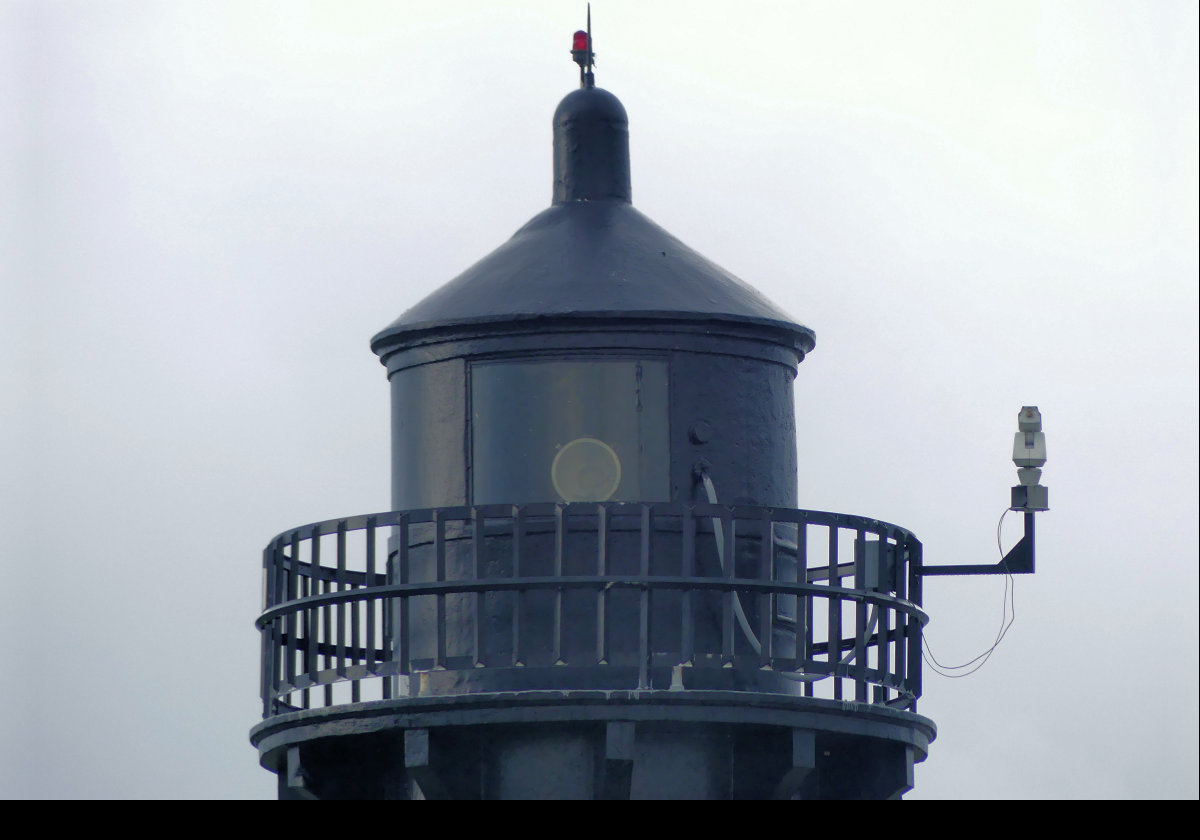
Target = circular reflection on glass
(586,470)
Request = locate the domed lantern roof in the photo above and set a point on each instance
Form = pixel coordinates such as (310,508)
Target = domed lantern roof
(591,257)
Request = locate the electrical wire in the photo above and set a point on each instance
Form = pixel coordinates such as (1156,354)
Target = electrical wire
(1008,614)
(747,631)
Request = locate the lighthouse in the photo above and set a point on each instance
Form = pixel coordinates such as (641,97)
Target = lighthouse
(593,580)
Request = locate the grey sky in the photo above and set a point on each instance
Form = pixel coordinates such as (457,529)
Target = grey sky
(208,208)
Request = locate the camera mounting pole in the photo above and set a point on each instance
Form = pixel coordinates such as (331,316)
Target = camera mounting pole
(1030,497)
(1018,561)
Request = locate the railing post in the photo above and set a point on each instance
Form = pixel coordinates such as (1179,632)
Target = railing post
(766,601)
(266,634)
(726,546)
(687,629)
(342,585)
(560,527)
(860,617)
(478,526)
(804,605)
(293,575)
(398,611)
(439,551)
(518,537)
(914,626)
(644,601)
(371,661)
(834,643)
(602,595)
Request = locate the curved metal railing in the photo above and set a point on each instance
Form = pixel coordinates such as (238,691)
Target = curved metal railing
(591,596)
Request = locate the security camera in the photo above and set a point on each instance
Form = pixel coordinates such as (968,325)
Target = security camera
(1029,444)
(1029,454)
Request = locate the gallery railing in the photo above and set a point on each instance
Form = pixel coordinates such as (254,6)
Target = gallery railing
(673,596)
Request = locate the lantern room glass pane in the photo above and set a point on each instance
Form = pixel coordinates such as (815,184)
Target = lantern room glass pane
(569,431)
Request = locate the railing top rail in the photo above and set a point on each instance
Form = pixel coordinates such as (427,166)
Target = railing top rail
(468,513)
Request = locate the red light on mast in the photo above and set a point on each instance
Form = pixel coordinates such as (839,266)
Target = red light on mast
(580,41)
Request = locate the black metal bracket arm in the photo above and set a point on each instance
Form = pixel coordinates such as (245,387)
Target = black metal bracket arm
(1018,561)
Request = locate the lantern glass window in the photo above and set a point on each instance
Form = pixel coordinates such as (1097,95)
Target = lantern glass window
(569,431)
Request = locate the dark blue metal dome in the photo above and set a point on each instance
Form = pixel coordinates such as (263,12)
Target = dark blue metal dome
(591,255)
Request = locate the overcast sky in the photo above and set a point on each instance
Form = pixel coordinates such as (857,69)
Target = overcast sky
(209,208)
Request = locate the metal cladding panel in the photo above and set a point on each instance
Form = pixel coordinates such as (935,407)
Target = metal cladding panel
(429,423)
(737,415)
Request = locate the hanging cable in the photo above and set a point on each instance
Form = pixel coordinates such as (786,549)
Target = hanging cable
(719,532)
(1008,614)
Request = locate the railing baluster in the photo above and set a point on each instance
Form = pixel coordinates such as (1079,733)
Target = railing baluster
(325,625)
(341,607)
(883,649)
(725,545)
(834,643)
(644,602)
(266,685)
(357,610)
(293,620)
(518,519)
(439,540)
(804,606)
(860,617)
(602,594)
(766,602)
(370,581)
(914,626)
(402,643)
(560,524)
(478,525)
(311,614)
(902,619)
(687,642)
(275,594)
